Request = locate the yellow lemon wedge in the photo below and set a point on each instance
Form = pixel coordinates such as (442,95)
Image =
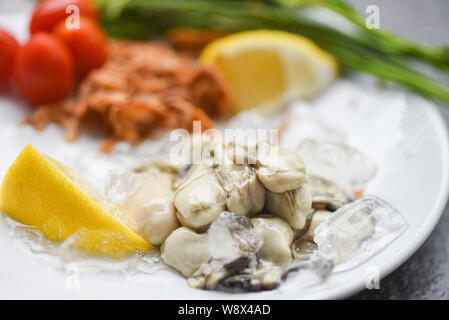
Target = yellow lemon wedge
(41,192)
(267,69)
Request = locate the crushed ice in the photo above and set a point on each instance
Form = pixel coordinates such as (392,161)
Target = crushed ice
(337,162)
(63,255)
(358,231)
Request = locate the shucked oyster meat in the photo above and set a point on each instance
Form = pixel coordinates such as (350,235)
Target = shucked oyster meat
(185,250)
(200,200)
(235,265)
(326,195)
(233,225)
(279,169)
(292,206)
(153,209)
(245,194)
(277,239)
(245,254)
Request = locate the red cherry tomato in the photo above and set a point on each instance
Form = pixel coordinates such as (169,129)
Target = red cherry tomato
(43,69)
(47,14)
(8,49)
(87,44)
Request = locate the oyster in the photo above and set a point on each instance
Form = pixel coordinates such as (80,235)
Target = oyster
(304,246)
(326,195)
(302,249)
(160,163)
(185,250)
(217,149)
(226,243)
(152,206)
(277,238)
(318,217)
(213,151)
(279,169)
(235,264)
(292,206)
(240,153)
(231,236)
(190,172)
(245,194)
(244,274)
(200,200)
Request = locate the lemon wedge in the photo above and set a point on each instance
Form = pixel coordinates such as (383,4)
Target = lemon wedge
(267,69)
(41,192)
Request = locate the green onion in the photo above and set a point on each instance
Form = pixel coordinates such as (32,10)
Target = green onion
(376,39)
(377,52)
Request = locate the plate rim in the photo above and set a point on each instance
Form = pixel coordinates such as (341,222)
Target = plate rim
(435,116)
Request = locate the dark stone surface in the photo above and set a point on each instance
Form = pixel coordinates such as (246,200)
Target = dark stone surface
(425,275)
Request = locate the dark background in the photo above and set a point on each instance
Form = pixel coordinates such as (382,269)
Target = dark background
(425,275)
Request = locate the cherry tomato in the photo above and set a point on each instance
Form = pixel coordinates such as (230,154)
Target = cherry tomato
(8,49)
(87,44)
(43,69)
(47,14)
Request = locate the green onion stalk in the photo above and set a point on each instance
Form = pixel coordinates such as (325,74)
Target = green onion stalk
(376,39)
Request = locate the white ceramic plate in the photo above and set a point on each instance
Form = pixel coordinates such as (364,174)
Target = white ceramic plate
(404,135)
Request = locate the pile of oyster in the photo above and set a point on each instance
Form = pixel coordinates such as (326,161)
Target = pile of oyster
(237,219)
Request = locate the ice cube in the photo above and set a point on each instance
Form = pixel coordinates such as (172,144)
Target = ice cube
(122,182)
(358,231)
(337,162)
(303,121)
(230,236)
(301,274)
(63,255)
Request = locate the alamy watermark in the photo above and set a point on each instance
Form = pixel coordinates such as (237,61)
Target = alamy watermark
(236,146)
(72,22)
(372,280)
(372,20)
